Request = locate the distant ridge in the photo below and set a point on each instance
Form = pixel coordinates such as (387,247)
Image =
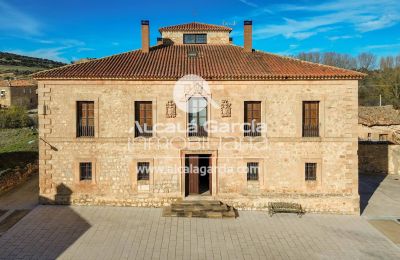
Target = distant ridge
(20,66)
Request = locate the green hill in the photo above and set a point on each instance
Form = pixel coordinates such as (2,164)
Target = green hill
(19,66)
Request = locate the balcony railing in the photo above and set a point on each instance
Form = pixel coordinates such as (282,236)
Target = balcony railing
(143,131)
(310,131)
(85,131)
(252,130)
(198,131)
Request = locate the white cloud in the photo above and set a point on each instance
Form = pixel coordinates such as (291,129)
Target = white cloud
(340,37)
(382,46)
(248,3)
(57,52)
(359,16)
(12,19)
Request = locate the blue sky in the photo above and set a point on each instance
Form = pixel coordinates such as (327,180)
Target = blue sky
(69,30)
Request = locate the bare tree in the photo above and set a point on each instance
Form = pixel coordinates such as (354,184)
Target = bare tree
(366,61)
(387,63)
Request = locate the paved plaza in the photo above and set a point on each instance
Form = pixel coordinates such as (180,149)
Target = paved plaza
(76,232)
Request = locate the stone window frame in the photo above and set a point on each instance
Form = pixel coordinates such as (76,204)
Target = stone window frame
(208,98)
(311,184)
(264,107)
(74,107)
(135,183)
(299,115)
(261,170)
(132,118)
(77,162)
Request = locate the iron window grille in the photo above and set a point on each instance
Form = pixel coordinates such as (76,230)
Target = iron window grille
(85,122)
(383,137)
(85,171)
(311,119)
(143,171)
(252,171)
(311,171)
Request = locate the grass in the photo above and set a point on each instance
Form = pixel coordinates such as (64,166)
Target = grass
(6,68)
(18,147)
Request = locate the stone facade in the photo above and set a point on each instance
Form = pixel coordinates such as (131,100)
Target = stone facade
(281,151)
(23,96)
(379,158)
(212,37)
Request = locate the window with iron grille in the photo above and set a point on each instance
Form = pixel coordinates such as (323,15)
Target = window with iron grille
(311,171)
(195,38)
(85,171)
(252,171)
(252,118)
(383,137)
(85,122)
(311,119)
(143,118)
(197,116)
(143,171)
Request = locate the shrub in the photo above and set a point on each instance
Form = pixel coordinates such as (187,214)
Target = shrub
(14,117)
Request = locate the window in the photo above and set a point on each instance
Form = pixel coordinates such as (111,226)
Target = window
(310,118)
(143,118)
(2,93)
(85,122)
(311,171)
(195,38)
(252,118)
(369,136)
(143,171)
(252,171)
(197,116)
(383,137)
(85,171)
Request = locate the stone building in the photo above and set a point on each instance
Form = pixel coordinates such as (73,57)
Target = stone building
(198,117)
(21,93)
(379,136)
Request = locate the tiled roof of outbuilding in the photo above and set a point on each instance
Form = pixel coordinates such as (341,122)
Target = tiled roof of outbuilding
(195,26)
(18,83)
(212,62)
(382,116)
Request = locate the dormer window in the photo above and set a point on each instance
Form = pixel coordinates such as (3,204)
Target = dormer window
(195,38)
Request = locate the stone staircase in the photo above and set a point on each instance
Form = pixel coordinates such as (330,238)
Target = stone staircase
(199,209)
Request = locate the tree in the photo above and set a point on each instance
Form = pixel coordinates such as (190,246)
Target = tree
(366,61)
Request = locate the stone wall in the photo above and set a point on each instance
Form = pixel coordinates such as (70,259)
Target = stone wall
(20,96)
(212,37)
(375,131)
(14,177)
(379,158)
(281,150)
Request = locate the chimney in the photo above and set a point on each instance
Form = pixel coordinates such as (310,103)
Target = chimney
(145,36)
(248,31)
(159,41)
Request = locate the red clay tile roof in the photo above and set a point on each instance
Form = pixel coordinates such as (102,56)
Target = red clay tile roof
(195,26)
(378,116)
(213,62)
(18,83)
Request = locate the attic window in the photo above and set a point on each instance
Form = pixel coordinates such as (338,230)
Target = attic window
(195,38)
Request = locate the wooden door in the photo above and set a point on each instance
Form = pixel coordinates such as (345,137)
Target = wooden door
(193,174)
